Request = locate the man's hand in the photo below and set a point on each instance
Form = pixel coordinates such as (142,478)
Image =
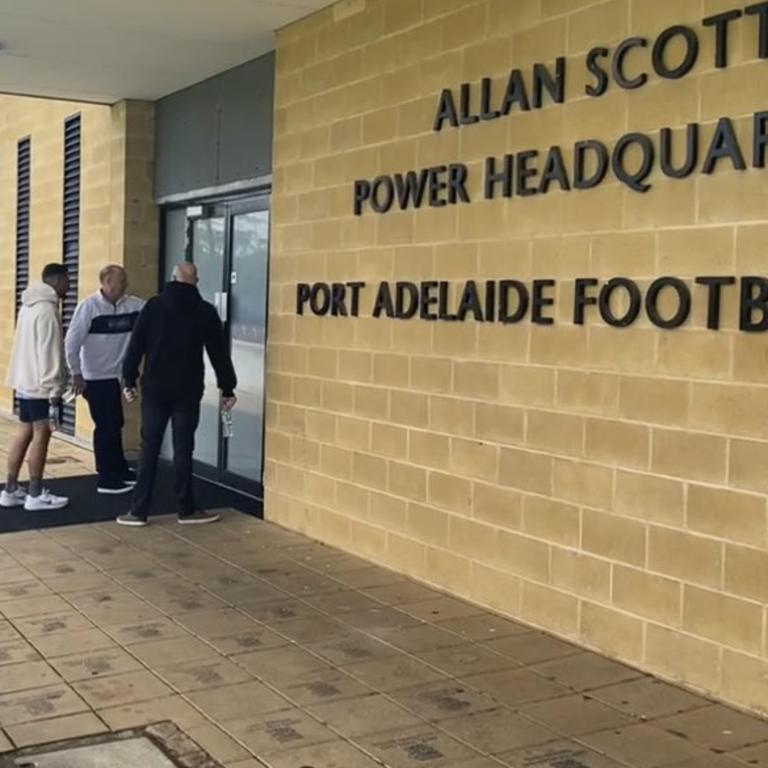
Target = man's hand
(78,384)
(130,394)
(228,403)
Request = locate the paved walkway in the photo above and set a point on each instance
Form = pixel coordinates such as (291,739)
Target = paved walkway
(268,648)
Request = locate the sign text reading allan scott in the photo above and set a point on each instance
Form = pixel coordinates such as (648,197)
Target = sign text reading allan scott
(632,159)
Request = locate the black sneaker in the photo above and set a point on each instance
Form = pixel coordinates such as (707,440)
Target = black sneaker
(130,477)
(199,517)
(113,487)
(133,520)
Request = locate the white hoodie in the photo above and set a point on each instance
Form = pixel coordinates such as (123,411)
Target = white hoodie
(37,367)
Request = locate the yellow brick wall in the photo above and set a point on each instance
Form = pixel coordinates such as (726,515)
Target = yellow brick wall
(607,485)
(118,221)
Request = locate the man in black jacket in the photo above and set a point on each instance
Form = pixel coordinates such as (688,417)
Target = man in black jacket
(170,334)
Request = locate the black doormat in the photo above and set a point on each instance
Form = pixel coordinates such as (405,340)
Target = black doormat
(87,506)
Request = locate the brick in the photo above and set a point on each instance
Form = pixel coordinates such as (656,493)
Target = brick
(587,392)
(655,401)
(582,483)
(586,576)
(693,559)
(476,380)
(523,556)
(556,433)
(746,572)
(496,589)
(474,459)
(452,416)
(389,440)
(550,609)
(354,434)
(386,511)
(527,385)
(427,524)
(647,595)
(449,492)
(472,539)
(728,620)
(429,450)
(526,471)
(612,632)
(728,515)
(615,442)
(369,471)
(743,680)
(656,499)
(499,423)
(729,409)
(614,537)
(682,657)
(690,455)
(452,571)
(407,481)
(552,520)
(498,506)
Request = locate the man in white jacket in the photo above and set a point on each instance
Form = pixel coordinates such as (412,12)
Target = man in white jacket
(38,374)
(95,346)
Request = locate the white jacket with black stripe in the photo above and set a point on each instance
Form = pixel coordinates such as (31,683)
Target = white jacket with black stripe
(98,336)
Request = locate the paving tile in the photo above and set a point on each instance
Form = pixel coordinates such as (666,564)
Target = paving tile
(756,756)
(172,708)
(231,701)
(586,671)
(393,672)
(711,761)
(162,653)
(203,673)
(424,745)
(30,674)
(280,731)
(643,746)
(5,744)
(464,660)
(648,698)
(180,600)
(370,576)
(8,632)
(68,567)
(64,643)
(217,744)
(58,729)
(443,700)
(334,754)
(280,664)
(257,639)
(717,727)
(418,637)
(320,687)
(218,622)
(515,686)
(39,704)
(23,589)
(341,602)
(34,606)
(306,631)
(364,715)
(107,618)
(122,689)
(563,753)
(15,574)
(301,582)
(91,664)
(335,562)
(17,651)
(441,609)
(64,585)
(483,627)
(576,715)
(379,620)
(144,631)
(497,730)
(274,612)
(532,648)
(402,593)
(354,646)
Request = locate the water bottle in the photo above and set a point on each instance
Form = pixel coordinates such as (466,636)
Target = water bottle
(227,429)
(54,417)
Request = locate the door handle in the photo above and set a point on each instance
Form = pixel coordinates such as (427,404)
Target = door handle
(221,302)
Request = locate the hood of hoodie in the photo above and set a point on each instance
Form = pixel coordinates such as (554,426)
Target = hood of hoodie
(180,295)
(39,293)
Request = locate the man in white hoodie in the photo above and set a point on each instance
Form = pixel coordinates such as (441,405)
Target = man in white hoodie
(95,347)
(38,374)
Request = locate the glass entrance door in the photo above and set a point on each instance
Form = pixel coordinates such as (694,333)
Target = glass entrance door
(229,243)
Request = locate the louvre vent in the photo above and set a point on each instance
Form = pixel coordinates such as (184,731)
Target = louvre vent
(23,193)
(71,236)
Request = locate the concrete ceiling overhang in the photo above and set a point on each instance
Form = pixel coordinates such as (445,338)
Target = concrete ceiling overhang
(107,50)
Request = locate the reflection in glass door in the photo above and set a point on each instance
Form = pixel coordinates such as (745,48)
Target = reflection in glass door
(229,243)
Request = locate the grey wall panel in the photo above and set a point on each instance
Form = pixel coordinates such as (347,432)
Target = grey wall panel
(216,132)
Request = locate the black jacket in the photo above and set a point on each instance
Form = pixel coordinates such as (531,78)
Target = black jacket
(171,333)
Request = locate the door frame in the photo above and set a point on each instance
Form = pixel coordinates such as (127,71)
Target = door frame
(229,207)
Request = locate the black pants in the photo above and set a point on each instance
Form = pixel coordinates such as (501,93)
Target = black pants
(107,413)
(156,412)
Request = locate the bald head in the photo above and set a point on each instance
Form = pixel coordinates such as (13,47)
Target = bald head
(184,272)
(114,282)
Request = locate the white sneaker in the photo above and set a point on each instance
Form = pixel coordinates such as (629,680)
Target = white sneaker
(46,500)
(13,499)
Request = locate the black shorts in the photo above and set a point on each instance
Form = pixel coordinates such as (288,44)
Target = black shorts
(31,410)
